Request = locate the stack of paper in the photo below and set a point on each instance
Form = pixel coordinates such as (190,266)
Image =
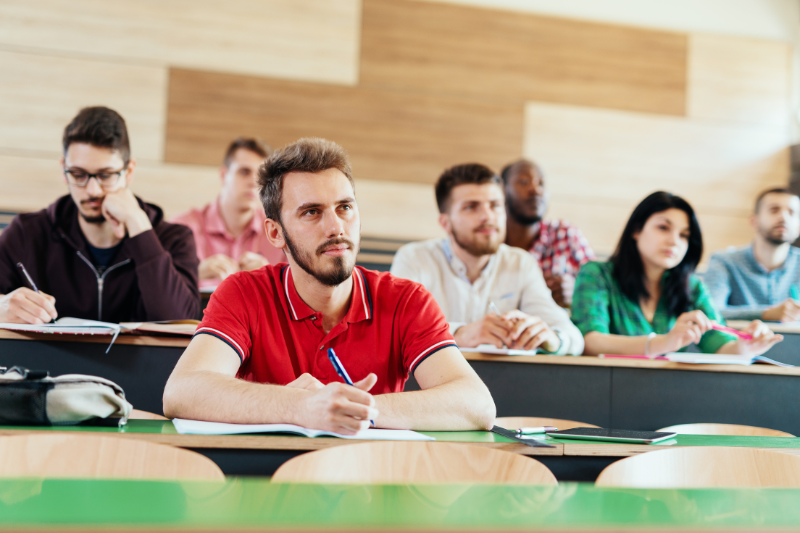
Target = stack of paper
(720,359)
(494,350)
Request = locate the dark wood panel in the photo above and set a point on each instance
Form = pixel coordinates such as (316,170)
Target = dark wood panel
(449,49)
(390,135)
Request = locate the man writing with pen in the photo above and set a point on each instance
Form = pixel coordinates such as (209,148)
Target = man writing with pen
(260,355)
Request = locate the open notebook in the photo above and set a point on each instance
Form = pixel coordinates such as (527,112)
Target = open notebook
(197,427)
(70,326)
(494,350)
(720,359)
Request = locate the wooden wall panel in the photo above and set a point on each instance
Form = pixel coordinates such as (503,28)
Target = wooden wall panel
(736,79)
(39,95)
(295,39)
(398,210)
(495,54)
(615,155)
(390,135)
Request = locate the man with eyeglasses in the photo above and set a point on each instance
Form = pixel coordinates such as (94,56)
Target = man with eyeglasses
(99,253)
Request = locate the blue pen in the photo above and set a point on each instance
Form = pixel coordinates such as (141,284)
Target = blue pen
(337,365)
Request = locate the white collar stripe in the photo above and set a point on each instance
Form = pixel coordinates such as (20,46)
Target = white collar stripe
(429,349)
(363,296)
(286,288)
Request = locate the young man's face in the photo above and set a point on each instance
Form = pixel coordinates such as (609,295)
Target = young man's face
(321,224)
(85,158)
(778,218)
(526,196)
(240,179)
(476,218)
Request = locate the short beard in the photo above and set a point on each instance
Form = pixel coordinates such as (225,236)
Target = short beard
(475,249)
(520,218)
(776,241)
(341,271)
(99,219)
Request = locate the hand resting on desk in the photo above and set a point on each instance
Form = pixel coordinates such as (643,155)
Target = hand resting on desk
(514,329)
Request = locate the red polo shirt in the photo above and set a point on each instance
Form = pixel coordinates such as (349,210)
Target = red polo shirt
(392,325)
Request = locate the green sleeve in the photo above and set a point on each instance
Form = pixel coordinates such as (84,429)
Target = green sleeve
(712,341)
(590,300)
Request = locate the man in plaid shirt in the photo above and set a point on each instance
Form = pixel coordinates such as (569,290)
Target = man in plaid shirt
(560,247)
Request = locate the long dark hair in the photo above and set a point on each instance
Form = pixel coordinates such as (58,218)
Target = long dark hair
(628,266)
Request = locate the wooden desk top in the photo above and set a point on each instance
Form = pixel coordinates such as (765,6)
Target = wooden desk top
(163,432)
(585,360)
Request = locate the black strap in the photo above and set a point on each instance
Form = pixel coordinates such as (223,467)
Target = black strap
(533,443)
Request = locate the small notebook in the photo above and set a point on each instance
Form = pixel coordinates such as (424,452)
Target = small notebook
(197,427)
(720,359)
(494,350)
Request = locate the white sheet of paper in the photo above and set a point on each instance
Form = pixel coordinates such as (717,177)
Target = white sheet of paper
(198,427)
(709,358)
(494,350)
(68,325)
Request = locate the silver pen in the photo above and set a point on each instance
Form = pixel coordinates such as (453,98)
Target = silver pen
(493,309)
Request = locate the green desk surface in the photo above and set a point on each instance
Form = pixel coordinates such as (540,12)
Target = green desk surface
(251,502)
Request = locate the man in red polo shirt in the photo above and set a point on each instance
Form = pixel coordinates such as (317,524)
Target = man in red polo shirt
(260,353)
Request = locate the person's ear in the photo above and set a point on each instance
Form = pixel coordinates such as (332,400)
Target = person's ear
(754,221)
(63,174)
(274,234)
(636,234)
(223,171)
(129,172)
(444,222)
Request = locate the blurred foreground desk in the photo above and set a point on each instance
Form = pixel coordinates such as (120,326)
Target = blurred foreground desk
(256,504)
(261,455)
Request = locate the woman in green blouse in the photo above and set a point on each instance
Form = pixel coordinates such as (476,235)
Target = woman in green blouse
(646,298)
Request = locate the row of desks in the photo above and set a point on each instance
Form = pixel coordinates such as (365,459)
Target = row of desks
(630,394)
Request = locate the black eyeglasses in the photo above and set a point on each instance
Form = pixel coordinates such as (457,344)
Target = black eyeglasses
(107,180)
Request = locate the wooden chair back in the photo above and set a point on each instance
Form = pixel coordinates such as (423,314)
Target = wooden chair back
(725,429)
(137,414)
(400,462)
(704,467)
(79,455)
(516,422)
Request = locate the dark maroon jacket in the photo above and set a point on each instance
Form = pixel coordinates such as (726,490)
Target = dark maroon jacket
(152,277)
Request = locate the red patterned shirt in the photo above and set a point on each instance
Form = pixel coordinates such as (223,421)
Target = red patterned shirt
(560,248)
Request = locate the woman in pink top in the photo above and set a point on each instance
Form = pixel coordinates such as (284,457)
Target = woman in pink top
(229,232)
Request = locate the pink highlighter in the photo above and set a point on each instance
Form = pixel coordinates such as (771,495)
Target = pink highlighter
(725,329)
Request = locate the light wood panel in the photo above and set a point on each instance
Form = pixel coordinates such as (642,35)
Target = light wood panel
(39,95)
(495,54)
(599,164)
(413,462)
(621,155)
(704,467)
(398,210)
(738,79)
(71,455)
(725,429)
(296,39)
(390,135)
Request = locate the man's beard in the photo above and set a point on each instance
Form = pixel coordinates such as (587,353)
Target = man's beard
(777,241)
(99,219)
(474,248)
(519,217)
(340,272)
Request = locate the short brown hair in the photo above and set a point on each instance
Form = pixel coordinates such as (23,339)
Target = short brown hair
(774,190)
(101,127)
(256,146)
(309,154)
(462,175)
